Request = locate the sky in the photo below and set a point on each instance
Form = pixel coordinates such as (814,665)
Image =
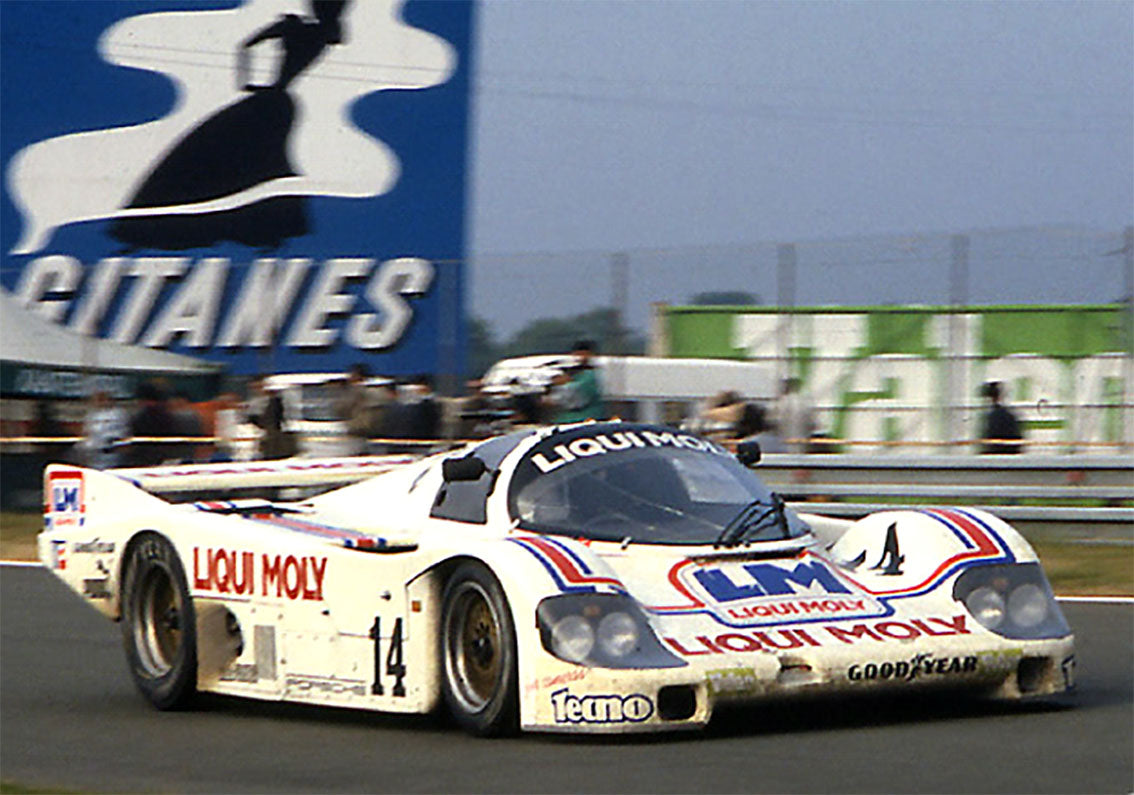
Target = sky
(695,134)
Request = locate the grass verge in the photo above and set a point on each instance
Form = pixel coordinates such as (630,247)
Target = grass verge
(1077,568)
(17,535)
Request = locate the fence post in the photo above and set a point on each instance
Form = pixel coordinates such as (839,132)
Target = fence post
(786,261)
(955,397)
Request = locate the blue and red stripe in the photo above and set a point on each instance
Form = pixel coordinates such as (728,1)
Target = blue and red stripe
(566,567)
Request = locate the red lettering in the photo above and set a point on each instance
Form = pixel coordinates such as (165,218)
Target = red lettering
(957,623)
(928,630)
(271,574)
(317,573)
(292,584)
(853,634)
(199,583)
(792,642)
(243,583)
(736,642)
(215,562)
(708,644)
(682,650)
(905,632)
(802,635)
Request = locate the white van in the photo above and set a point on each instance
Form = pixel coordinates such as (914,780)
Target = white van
(309,410)
(642,388)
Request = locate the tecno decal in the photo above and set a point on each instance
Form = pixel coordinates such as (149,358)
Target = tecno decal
(917,666)
(603,443)
(570,708)
(776,639)
(235,573)
(764,594)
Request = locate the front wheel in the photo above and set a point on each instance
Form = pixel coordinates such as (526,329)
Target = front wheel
(159,623)
(478,645)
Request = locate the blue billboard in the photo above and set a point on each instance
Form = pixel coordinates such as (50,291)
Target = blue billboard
(269,184)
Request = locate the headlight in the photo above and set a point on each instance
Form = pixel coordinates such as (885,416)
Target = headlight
(572,638)
(618,634)
(1027,605)
(1012,600)
(601,631)
(987,606)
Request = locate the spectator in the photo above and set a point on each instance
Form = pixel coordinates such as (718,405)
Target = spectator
(1001,431)
(186,423)
(578,393)
(792,416)
(527,410)
(105,429)
(45,424)
(266,412)
(152,419)
(227,421)
(388,415)
(354,407)
(722,417)
(424,415)
(754,426)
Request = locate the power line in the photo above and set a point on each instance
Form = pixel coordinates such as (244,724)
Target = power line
(996,118)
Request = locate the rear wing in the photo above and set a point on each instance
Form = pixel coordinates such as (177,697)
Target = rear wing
(288,472)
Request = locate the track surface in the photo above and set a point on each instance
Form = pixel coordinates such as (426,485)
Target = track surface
(70,718)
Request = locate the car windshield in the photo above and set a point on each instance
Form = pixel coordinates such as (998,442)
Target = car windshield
(649,485)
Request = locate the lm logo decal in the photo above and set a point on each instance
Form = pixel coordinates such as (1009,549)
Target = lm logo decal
(764,594)
(66,506)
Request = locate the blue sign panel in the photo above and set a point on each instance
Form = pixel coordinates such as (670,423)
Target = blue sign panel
(269,184)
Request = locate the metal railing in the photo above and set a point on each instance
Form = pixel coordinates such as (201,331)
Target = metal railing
(1084,495)
(1078,497)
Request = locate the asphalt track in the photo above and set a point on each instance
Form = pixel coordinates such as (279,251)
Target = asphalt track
(71,719)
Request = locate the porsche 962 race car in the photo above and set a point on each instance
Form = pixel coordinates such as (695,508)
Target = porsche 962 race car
(600,577)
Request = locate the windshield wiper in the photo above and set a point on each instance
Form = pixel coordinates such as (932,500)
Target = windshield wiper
(735,528)
(749,521)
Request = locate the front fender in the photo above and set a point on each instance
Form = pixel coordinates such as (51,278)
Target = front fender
(913,550)
(530,568)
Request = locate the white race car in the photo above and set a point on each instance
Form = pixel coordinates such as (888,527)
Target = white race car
(600,577)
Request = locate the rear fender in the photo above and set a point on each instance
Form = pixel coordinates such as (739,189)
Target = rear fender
(89,518)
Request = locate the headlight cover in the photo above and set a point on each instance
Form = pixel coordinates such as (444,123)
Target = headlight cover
(1012,600)
(601,631)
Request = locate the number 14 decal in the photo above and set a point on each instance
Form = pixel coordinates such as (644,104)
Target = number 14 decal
(395,663)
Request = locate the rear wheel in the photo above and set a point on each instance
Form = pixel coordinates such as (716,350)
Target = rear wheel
(159,623)
(479,652)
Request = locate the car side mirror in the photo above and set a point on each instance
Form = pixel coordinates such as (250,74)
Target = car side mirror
(748,452)
(468,467)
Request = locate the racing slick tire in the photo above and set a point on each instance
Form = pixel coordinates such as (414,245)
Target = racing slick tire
(159,628)
(478,647)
